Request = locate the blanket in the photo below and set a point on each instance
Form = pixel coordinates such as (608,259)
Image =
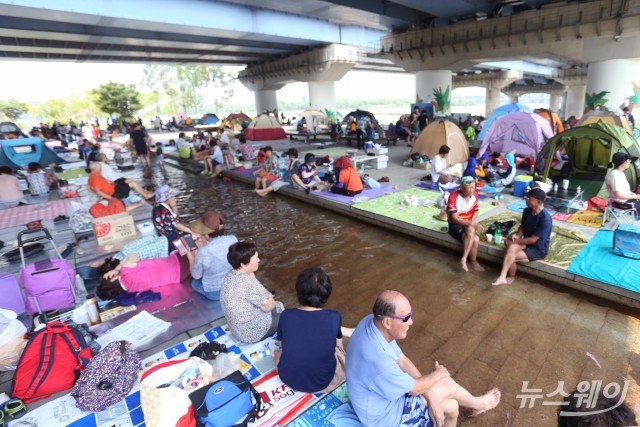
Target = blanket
(24,214)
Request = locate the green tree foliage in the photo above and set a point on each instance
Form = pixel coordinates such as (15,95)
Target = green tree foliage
(117,99)
(13,109)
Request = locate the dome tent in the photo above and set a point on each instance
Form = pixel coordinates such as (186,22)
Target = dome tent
(499,112)
(442,132)
(264,128)
(602,116)
(523,132)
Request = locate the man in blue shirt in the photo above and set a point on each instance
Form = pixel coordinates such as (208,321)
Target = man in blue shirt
(385,387)
(531,241)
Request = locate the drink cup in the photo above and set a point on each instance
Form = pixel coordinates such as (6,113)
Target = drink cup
(565,184)
(489,238)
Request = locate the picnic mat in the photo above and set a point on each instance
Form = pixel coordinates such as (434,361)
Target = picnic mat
(580,217)
(597,261)
(24,214)
(347,200)
(389,206)
(320,414)
(565,243)
(280,403)
(72,174)
(520,205)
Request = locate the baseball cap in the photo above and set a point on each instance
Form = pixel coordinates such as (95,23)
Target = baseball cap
(209,222)
(537,193)
(309,157)
(620,157)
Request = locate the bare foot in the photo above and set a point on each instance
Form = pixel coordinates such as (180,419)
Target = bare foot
(477,266)
(488,402)
(510,280)
(500,281)
(463,263)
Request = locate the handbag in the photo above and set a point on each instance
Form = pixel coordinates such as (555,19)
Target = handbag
(163,403)
(231,401)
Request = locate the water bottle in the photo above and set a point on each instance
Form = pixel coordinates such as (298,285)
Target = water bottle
(578,190)
(81,290)
(555,187)
(498,236)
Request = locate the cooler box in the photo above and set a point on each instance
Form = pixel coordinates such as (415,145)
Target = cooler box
(626,241)
(520,184)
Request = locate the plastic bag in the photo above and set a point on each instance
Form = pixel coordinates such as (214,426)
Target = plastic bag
(79,218)
(223,365)
(11,342)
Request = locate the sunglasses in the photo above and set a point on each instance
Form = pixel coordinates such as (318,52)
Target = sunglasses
(404,319)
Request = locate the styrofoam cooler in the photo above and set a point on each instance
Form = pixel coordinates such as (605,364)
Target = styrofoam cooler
(520,184)
(12,298)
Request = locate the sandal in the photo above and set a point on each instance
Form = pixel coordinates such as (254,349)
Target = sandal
(1,419)
(14,408)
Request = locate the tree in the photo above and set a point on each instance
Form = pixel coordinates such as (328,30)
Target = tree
(13,109)
(192,81)
(117,99)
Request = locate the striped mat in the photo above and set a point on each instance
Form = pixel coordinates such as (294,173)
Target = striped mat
(24,214)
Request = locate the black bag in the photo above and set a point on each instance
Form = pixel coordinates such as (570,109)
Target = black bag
(225,402)
(504,226)
(208,350)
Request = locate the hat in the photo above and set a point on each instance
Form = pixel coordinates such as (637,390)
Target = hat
(164,193)
(309,157)
(467,179)
(537,193)
(620,157)
(209,222)
(291,152)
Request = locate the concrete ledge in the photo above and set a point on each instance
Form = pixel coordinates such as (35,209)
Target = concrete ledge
(486,252)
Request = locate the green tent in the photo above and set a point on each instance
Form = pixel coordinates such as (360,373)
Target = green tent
(588,150)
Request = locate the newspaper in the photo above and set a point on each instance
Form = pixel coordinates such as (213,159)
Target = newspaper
(138,330)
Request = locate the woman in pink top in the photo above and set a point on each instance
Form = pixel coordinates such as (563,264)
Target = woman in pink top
(132,275)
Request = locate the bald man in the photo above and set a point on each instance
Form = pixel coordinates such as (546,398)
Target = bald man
(386,388)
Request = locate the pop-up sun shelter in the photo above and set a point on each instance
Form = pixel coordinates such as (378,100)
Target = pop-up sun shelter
(264,128)
(524,132)
(442,132)
(589,150)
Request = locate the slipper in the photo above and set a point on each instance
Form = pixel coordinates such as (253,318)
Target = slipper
(1,419)
(14,408)
(60,218)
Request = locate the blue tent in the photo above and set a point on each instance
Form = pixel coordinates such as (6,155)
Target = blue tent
(209,119)
(499,112)
(19,152)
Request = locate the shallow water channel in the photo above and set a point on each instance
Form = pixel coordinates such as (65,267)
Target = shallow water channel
(485,336)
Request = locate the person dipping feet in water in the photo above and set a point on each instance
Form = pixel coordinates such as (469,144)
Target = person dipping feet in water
(531,241)
(462,212)
(385,386)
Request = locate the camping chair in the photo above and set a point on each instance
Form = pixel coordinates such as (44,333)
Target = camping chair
(622,215)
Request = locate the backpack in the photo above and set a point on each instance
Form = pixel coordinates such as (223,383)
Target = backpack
(51,362)
(226,402)
(108,378)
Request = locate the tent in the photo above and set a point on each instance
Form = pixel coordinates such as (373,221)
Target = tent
(209,119)
(601,116)
(314,117)
(552,118)
(588,150)
(7,128)
(438,133)
(19,152)
(524,132)
(264,128)
(499,112)
(236,121)
(362,115)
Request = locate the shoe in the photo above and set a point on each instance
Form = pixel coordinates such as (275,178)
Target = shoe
(14,408)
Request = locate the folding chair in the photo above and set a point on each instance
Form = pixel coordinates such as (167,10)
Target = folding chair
(621,214)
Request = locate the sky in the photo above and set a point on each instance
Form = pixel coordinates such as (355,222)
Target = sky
(35,82)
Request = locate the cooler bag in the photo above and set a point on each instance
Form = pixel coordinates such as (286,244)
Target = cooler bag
(626,241)
(48,284)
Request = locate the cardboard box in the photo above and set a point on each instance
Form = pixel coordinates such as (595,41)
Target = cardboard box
(423,166)
(113,228)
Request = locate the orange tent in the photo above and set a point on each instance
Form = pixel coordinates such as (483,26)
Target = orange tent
(442,132)
(552,118)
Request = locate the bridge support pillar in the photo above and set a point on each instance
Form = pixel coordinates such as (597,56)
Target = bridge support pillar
(614,76)
(265,100)
(554,102)
(430,82)
(322,95)
(514,98)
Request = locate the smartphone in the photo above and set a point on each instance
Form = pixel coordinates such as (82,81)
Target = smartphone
(185,244)
(190,242)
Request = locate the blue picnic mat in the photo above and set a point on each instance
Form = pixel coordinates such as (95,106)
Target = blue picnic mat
(597,261)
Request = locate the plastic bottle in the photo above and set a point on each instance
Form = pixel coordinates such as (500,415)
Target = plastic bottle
(498,236)
(555,187)
(578,190)
(92,310)
(81,290)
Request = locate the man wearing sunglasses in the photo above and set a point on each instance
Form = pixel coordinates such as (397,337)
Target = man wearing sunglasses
(531,241)
(384,385)
(462,212)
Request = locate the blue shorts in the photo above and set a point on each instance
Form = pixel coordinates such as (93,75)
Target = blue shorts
(533,253)
(415,413)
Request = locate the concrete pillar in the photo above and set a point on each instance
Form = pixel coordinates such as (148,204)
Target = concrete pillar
(514,99)
(322,95)
(265,100)
(614,76)
(554,102)
(428,81)
(492,100)
(574,101)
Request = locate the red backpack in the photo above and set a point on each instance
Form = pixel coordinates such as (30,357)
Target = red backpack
(51,362)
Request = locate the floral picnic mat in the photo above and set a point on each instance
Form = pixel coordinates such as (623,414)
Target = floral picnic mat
(422,215)
(565,243)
